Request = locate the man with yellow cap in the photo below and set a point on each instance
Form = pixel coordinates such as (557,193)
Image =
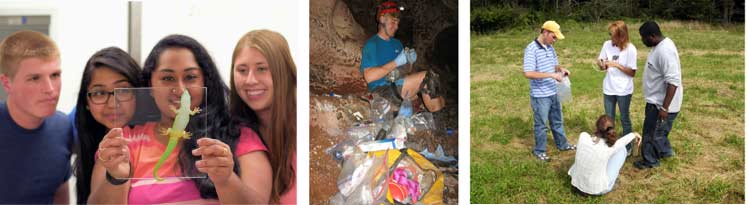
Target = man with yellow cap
(541,67)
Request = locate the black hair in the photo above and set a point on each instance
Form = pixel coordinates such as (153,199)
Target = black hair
(90,132)
(220,126)
(650,28)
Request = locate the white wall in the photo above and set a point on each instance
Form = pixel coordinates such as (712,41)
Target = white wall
(218,25)
(80,28)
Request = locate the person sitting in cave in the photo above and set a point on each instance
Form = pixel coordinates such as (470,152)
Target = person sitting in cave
(383,54)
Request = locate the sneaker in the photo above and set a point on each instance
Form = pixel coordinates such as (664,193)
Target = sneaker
(645,165)
(542,157)
(667,155)
(567,147)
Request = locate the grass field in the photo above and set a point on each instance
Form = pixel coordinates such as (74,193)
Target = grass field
(708,135)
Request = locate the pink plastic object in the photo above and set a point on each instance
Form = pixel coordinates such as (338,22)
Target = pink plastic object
(400,176)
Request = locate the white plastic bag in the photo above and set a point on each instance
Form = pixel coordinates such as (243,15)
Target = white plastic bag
(564,90)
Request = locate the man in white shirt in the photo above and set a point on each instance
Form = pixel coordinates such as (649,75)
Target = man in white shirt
(663,92)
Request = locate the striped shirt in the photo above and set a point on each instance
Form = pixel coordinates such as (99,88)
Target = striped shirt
(542,59)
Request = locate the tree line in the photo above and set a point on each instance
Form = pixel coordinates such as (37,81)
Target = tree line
(492,15)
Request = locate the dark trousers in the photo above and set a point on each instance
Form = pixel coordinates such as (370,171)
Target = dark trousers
(655,142)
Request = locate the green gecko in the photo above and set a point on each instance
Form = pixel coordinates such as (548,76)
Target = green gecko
(176,132)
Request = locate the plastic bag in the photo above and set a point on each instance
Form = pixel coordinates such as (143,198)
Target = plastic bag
(406,107)
(430,194)
(356,112)
(342,151)
(564,90)
(356,135)
(423,121)
(362,180)
(400,128)
(410,180)
(381,111)
(362,132)
(352,173)
(393,75)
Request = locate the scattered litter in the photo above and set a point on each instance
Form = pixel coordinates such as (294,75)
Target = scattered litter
(438,155)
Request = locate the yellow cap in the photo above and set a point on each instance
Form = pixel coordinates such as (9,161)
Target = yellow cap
(555,28)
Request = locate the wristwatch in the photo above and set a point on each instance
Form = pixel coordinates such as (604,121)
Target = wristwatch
(115,181)
(663,108)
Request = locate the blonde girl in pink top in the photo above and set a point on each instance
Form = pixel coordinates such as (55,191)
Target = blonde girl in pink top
(263,89)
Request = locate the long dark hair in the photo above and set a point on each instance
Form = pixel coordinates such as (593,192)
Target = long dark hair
(219,126)
(90,131)
(606,130)
(281,138)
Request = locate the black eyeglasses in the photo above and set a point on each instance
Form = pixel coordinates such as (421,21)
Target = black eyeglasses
(101,97)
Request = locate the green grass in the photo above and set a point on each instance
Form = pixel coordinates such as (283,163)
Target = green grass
(707,136)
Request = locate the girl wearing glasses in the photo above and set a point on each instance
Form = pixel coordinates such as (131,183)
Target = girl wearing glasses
(599,158)
(96,110)
(237,168)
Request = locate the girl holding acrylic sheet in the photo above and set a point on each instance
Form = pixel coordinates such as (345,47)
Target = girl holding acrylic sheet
(236,164)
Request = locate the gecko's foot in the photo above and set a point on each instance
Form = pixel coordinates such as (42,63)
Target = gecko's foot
(165,131)
(195,111)
(186,135)
(173,109)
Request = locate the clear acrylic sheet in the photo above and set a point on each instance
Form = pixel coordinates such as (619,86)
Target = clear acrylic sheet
(148,113)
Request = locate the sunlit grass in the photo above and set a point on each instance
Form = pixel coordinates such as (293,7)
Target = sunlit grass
(708,134)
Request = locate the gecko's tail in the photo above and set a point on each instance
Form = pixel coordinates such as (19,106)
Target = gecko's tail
(155,169)
(169,148)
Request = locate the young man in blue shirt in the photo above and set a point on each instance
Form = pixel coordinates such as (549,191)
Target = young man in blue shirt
(382,54)
(37,139)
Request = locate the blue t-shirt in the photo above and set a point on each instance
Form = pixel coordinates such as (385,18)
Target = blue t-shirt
(34,162)
(378,52)
(71,118)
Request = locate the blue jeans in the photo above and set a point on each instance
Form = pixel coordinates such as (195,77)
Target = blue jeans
(544,108)
(655,142)
(610,101)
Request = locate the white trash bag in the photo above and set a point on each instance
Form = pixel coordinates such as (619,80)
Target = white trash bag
(564,90)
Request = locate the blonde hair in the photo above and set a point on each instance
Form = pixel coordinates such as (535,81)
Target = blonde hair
(619,34)
(281,138)
(22,45)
